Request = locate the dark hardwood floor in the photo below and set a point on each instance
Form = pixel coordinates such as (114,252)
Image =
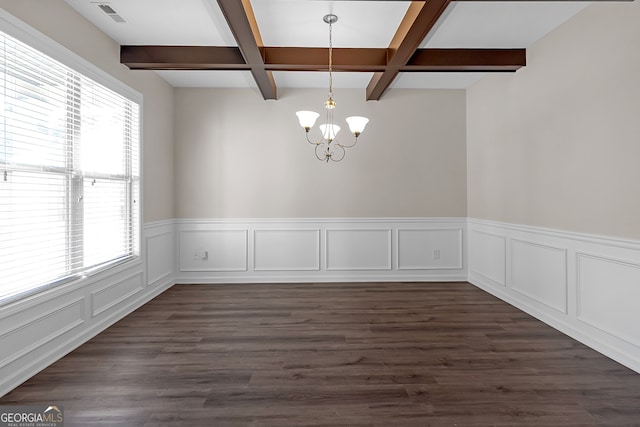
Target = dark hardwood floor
(394,354)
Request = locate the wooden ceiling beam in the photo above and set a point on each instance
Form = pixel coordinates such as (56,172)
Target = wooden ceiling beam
(316,59)
(419,19)
(182,58)
(242,22)
(467,60)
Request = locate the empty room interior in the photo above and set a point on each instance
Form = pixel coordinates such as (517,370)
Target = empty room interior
(454,241)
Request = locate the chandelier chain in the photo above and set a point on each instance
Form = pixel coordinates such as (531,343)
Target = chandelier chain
(330,59)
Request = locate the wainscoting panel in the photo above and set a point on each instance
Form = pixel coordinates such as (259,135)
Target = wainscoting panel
(583,285)
(608,296)
(22,338)
(213,250)
(358,250)
(488,256)
(160,242)
(322,250)
(286,250)
(120,290)
(540,273)
(424,249)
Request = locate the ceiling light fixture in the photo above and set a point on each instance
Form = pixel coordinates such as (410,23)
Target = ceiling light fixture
(326,145)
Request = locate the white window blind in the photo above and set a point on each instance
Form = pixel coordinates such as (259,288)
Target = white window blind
(69,173)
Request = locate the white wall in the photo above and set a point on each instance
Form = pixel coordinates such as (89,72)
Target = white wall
(554,183)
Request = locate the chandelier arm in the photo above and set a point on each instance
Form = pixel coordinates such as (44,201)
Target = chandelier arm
(350,145)
(339,158)
(323,158)
(310,141)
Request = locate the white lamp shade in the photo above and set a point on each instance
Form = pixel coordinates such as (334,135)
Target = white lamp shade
(357,124)
(329,132)
(307,118)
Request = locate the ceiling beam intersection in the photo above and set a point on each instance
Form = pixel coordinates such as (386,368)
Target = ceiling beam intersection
(420,18)
(242,22)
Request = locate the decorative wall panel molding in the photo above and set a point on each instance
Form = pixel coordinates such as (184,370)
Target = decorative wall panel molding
(114,293)
(488,256)
(20,338)
(358,249)
(540,273)
(609,305)
(213,250)
(583,285)
(286,250)
(430,249)
(326,249)
(160,254)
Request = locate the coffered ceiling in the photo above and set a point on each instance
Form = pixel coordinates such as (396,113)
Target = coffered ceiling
(271,44)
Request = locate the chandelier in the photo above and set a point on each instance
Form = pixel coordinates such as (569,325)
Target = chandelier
(328,147)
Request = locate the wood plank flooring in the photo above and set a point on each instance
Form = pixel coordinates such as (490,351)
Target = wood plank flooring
(378,354)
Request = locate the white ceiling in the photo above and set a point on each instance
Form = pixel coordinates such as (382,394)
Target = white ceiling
(498,24)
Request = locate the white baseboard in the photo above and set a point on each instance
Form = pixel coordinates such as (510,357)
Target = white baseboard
(583,285)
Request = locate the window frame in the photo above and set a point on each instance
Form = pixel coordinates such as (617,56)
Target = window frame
(19,30)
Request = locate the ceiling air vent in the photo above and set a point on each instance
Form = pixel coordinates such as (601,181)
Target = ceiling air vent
(112,13)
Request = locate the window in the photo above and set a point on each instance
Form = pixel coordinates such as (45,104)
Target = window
(69,173)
